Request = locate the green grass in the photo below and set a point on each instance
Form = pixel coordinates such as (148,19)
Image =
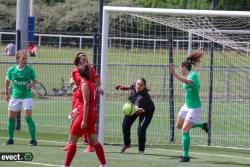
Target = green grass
(49,153)
(230,119)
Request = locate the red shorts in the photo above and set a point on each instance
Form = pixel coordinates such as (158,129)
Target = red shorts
(76,129)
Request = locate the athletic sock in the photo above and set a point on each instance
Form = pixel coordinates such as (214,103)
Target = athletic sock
(70,154)
(100,153)
(32,127)
(11,127)
(185,143)
(197,125)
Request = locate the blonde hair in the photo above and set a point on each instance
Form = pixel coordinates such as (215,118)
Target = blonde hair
(19,53)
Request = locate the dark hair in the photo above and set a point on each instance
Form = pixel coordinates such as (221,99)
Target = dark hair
(78,57)
(84,71)
(192,59)
(144,82)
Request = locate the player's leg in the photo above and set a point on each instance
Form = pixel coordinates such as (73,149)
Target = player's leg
(181,117)
(27,107)
(99,149)
(126,126)
(73,116)
(90,147)
(11,126)
(192,117)
(144,121)
(187,125)
(203,126)
(75,132)
(180,124)
(71,151)
(14,107)
(90,130)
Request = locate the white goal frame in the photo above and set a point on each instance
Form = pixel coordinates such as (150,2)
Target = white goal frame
(105,31)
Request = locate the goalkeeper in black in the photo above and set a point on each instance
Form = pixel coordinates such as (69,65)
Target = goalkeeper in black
(144,106)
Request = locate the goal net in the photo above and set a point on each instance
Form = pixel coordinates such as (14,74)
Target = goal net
(139,42)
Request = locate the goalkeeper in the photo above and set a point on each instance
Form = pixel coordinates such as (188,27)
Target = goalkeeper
(144,105)
(23,78)
(190,112)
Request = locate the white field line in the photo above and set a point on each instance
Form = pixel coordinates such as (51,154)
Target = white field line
(211,155)
(36,163)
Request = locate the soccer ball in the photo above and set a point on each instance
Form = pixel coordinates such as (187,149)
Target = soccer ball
(128,109)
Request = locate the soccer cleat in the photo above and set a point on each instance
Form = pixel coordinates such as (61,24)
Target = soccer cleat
(89,149)
(32,143)
(9,142)
(124,148)
(184,159)
(205,127)
(105,165)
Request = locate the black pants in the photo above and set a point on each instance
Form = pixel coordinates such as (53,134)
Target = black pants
(144,121)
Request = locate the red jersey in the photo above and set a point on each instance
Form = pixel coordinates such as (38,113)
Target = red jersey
(76,77)
(30,47)
(92,102)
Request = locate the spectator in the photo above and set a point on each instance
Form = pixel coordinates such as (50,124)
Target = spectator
(31,49)
(10,49)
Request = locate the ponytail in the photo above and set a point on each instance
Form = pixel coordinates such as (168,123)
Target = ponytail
(192,59)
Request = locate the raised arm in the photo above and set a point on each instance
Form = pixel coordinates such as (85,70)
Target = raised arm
(180,78)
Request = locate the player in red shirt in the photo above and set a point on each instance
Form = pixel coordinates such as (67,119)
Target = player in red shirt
(86,118)
(81,59)
(31,49)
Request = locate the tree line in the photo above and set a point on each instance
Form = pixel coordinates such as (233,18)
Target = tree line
(81,17)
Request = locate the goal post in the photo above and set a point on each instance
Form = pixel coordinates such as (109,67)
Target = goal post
(134,44)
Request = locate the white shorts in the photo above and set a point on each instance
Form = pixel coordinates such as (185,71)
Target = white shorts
(191,114)
(20,104)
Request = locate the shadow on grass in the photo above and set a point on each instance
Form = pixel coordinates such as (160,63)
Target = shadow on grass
(227,163)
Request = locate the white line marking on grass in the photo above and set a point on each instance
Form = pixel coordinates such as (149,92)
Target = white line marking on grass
(36,163)
(212,155)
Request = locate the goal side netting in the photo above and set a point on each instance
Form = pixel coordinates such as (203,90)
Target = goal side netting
(135,43)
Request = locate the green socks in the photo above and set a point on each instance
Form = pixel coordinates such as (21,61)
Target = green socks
(32,127)
(197,125)
(11,127)
(185,143)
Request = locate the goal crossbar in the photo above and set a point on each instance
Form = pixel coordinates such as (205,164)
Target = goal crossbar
(217,13)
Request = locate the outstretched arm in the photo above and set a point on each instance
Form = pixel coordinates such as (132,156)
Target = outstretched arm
(119,87)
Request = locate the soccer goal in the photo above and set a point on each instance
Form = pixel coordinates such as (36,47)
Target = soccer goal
(141,42)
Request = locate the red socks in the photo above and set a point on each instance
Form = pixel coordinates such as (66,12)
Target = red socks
(100,153)
(70,154)
(72,151)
